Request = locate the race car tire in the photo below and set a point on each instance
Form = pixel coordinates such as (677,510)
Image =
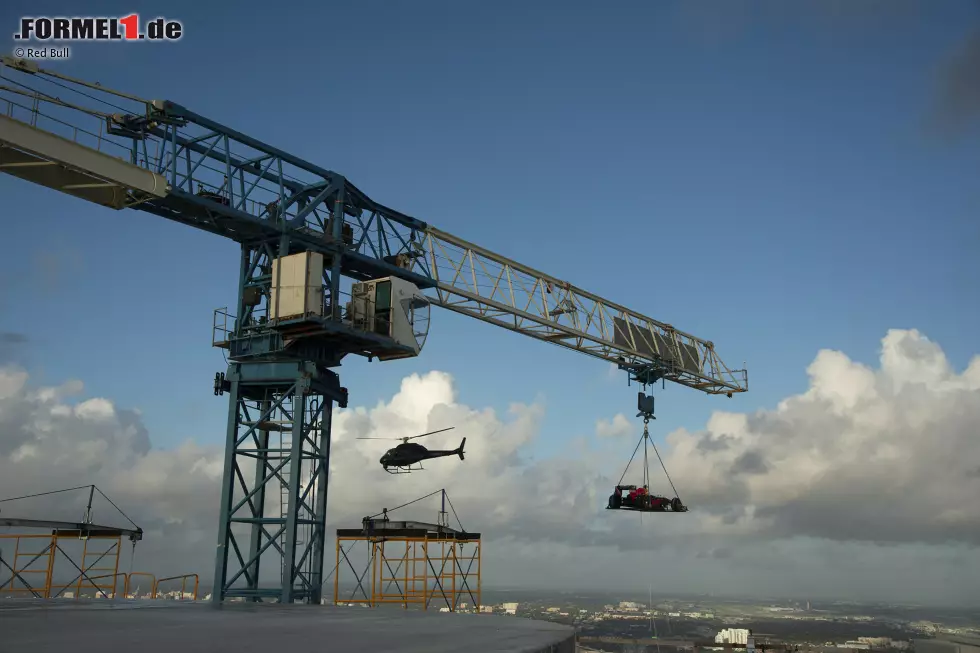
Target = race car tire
(676,505)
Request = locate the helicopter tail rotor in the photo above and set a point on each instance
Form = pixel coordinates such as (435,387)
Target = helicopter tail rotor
(459,451)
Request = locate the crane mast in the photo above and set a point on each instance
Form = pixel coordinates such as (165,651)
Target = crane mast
(325,271)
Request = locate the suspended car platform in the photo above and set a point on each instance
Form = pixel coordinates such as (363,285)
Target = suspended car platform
(639,498)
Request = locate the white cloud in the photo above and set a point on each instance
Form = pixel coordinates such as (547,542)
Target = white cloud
(617,427)
(886,455)
(863,456)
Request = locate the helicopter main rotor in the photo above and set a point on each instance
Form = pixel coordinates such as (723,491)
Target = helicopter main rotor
(411,437)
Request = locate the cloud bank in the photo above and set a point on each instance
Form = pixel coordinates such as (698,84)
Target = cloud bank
(875,470)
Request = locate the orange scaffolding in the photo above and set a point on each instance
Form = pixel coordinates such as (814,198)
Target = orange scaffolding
(411,563)
(32,567)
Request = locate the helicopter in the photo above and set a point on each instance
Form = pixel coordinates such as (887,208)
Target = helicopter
(402,457)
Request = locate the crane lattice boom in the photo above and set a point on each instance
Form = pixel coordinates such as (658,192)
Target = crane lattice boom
(477,282)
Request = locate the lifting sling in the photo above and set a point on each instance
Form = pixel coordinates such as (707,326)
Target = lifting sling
(643,501)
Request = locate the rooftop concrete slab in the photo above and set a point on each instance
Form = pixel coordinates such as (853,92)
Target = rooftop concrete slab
(184,627)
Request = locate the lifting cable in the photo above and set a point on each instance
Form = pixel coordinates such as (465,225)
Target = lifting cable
(430,494)
(646,441)
(453,508)
(631,461)
(72,489)
(386,510)
(41,494)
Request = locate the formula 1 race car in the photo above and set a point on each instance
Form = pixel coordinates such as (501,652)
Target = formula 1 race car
(641,500)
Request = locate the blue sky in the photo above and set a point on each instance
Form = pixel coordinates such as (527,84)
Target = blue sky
(768,179)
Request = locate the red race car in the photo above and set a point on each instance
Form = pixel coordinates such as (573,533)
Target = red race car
(641,500)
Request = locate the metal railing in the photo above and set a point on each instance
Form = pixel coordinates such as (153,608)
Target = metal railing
(183,585)
(224,323)
(37,109)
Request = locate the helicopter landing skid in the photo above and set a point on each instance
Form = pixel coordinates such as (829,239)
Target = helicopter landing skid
(404,470)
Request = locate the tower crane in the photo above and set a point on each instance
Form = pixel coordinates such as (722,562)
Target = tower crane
(325,272)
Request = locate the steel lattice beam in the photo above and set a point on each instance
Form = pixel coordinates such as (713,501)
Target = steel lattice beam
(477,282)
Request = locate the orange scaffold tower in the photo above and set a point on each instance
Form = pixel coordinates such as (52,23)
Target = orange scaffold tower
(409,562)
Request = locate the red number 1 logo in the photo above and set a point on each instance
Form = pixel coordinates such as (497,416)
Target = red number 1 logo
(132,24)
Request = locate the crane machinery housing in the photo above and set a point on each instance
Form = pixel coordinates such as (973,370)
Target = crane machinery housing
(324,272)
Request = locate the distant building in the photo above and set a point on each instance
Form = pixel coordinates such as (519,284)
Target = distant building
(509,608)
(733,636)
(876,642)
